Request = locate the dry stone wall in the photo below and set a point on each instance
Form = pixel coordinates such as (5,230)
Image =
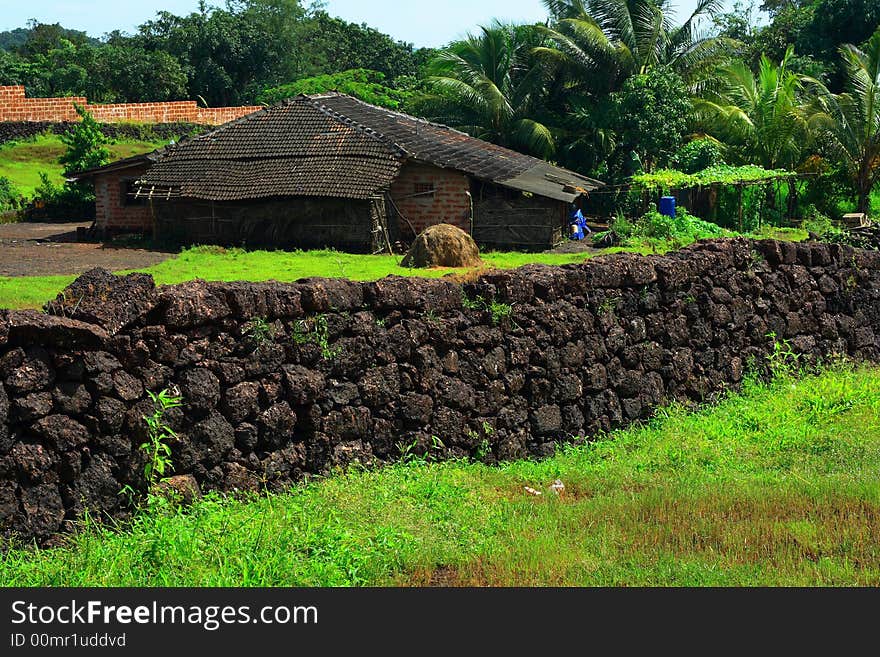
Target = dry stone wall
(281,380)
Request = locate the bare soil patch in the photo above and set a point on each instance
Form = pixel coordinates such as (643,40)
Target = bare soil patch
(47,249)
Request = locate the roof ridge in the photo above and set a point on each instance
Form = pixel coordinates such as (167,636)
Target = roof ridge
(348,121)
(404,115)
(229,124)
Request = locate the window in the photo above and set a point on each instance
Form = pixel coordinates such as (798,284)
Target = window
(128,190)
(424,188)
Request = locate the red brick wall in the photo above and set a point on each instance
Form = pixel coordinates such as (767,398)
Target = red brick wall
(449,203)
(14,106)
(111,211)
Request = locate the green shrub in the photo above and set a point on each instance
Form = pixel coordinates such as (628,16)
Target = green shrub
(86,145)
(622,226)
(10,197)
(683,228)
(61,201)
(697,155)
(818,223)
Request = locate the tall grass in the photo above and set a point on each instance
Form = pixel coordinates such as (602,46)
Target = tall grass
(777,485)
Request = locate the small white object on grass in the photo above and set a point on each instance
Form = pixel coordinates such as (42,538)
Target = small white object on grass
(558,487)
(532,491)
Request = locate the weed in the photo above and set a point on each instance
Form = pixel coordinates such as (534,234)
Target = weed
(477,303)
(409,452)
(497,309)
(608,305)
(259,331)
(317,331)
(159,435)
(485,448)
(129,494)
(783,360)
(500,311)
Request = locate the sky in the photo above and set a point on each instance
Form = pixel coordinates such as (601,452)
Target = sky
(420,23)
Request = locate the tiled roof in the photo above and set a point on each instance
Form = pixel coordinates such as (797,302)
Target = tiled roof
(334,145)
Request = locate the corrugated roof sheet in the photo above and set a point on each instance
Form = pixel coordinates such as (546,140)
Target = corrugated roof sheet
(335,145)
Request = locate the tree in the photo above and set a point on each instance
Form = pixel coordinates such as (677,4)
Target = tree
(14,69)
(598,44)
(853,118)
(226,56)
(592,47)
(759,117)
(85,145)
(43,37)
(649,117)
(331,45)
(489,86)
(130,74)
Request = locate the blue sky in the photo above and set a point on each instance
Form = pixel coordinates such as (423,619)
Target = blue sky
(415,22)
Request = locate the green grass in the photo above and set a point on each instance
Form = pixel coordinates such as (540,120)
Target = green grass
(779,233)
(218,264)
(22,161)
(777,486)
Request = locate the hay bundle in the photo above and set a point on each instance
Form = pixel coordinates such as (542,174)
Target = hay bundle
(443,245)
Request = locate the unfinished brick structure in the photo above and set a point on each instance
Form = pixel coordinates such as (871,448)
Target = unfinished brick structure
(16,106)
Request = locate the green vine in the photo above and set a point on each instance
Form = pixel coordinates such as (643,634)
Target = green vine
(722,174)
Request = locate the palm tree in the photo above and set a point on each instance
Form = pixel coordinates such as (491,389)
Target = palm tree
(488,85)
(598,44)
(853,118)
(760,118)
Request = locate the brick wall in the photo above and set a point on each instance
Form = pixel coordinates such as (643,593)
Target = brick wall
(449,203)
(116,213)
(15,106)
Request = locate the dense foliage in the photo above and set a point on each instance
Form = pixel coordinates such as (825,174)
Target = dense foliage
(363,84)
(651,227)
(225,56)
(609,88)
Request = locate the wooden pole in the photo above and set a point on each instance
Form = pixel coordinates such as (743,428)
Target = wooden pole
(739,210)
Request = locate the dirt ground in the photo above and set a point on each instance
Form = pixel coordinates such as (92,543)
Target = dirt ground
(580,246)
(44,249)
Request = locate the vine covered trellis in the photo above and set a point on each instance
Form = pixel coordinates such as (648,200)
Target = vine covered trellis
(716,187)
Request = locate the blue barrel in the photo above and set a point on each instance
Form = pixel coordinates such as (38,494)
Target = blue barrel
(667,206)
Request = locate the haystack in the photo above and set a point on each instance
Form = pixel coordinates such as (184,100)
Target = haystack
(443,245)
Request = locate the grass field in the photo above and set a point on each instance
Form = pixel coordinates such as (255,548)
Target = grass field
(216,264)
(220,264)
(22,161)
(776,486)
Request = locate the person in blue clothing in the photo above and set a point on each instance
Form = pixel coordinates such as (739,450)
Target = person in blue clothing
(578,223)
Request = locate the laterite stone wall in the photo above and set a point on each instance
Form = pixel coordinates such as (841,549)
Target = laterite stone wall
(281,380)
